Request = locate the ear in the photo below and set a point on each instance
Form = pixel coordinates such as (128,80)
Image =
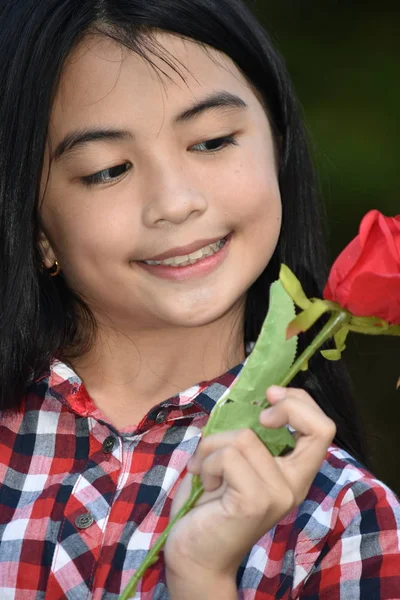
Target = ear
(46,250)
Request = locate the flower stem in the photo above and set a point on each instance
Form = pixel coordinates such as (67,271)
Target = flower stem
(337,320)
(154,552)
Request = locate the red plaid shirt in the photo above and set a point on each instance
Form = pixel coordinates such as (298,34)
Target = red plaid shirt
(81,504)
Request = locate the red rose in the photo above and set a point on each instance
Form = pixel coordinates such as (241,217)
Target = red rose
(365,278)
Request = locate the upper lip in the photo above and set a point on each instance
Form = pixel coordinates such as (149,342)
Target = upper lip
(184,250)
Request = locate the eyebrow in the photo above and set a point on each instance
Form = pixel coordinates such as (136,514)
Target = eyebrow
(218,100)
(82,137)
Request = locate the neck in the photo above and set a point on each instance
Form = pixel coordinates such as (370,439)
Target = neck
(126,373)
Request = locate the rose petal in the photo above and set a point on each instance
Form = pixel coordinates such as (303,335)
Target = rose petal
(365,278)
(341,267)
(373,294)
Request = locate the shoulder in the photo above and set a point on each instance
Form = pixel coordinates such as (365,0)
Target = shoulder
(39,409)
(349,523)
(344,491)
(342,479)
(345,536)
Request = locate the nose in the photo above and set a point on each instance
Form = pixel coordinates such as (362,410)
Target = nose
(172,194)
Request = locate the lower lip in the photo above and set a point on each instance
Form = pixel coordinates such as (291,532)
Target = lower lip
(202,267)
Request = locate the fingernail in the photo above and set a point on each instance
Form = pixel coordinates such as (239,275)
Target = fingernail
(278,392)
(266,414)
(192,466)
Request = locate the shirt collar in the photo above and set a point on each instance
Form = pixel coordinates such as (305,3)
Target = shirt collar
(65,385)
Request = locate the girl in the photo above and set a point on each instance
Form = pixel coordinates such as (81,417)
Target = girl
(154,175)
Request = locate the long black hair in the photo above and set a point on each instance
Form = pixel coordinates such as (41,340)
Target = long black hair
(40,317)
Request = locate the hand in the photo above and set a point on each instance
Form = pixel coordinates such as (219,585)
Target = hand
(247,490)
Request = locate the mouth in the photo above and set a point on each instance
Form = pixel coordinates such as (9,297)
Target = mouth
(185,267)
(186,260)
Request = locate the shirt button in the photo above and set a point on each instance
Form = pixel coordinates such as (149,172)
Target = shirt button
(108,444)
(84,521)
(161,417)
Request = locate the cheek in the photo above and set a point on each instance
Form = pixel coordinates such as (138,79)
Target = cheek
(88,243)
(251,196)
(254,209)
(82,226)
(100,240)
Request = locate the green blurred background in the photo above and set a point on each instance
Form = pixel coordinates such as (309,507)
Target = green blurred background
(344,60)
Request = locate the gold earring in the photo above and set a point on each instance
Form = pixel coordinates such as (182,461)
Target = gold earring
(57,271)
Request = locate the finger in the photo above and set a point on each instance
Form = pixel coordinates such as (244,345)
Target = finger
(301,412)
(208,445)
(181,495)
(315,433)
(244,487)
(226,465)
(184,490)
(276,393)
(246,441)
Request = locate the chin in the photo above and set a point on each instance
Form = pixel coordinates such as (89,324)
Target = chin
(212,311)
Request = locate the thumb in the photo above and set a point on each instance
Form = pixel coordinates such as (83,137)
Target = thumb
(182,494)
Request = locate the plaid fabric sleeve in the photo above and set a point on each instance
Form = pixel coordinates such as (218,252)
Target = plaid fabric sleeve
(360,559)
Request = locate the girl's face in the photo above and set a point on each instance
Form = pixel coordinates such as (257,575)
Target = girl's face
(147,167)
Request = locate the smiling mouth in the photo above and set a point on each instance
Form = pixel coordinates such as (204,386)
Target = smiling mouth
(189,259)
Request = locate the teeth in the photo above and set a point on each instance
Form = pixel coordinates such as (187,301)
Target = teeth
(189,259)
(196,255)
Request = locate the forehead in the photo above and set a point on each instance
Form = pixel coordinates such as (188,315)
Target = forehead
(103,78)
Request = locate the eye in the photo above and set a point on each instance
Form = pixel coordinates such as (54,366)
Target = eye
(107,175)
(216,144)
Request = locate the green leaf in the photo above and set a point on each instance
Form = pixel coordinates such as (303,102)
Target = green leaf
(307,318)
(293,287)
(369,322)
(271,358)
(393,330)
(373,326)
(340,338)
(331,354)
(340,341)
